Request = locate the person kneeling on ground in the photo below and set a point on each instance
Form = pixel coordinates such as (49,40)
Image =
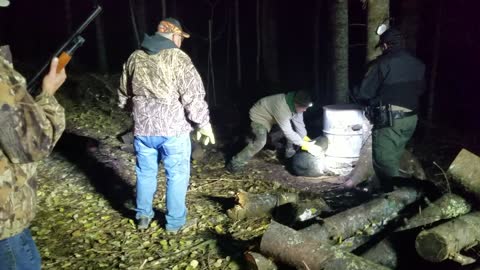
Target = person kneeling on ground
(283,110)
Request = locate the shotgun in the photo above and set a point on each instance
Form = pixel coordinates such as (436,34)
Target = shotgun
(65,52)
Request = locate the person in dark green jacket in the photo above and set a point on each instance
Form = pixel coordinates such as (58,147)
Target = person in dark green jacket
(391,90)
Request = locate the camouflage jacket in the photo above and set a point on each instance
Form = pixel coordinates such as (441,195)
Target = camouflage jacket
(29,130)
(166,92)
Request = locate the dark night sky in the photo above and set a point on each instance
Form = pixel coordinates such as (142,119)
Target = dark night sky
(34,30)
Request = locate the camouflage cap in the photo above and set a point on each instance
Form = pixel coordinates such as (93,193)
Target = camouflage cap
(171,25)
(4,3)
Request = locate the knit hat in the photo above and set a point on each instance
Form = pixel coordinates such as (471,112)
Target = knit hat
(4,3)
(171,25)
(303,98)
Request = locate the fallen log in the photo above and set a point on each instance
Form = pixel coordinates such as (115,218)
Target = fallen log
(256,261)
(308,209)
(465,172)
(302,252)
(382,253)
(361,237)
(448,206)
(359,220)
(447,240)
(259,205)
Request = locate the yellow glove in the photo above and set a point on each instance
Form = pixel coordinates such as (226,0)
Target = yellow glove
(307,139)
(205,135)
(312,148)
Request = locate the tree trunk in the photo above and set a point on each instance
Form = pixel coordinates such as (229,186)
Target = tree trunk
(131,6)
(210,66)
(316,49)
(448,206)
(257,261)
(101,50)
(164,9)
(409,24)
(237,39)
(339,23)
(141,17)
(447,240)
(464,171)
(436,58)
(303,252)
(228,44)
(270,41)
(377,12)
(360,219)
(259,42)
(68,16)
(173,8)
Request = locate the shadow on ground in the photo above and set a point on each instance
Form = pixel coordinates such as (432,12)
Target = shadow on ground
(100,170)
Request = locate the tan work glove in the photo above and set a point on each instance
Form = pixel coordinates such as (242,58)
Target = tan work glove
(312,148)
(205,135)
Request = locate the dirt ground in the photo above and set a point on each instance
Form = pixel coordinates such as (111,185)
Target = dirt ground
(86,197)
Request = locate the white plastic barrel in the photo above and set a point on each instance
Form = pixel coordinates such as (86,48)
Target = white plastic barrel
(344,126)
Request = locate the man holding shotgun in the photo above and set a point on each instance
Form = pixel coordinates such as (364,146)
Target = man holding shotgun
(29,129)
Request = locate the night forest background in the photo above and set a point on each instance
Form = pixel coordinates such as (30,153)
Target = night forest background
(243,50)
(295,50)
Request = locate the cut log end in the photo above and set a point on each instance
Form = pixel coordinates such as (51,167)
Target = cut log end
(427,246)
(256,261)
(237,213)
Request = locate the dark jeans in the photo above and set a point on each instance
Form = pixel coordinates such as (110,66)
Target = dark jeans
(19,252)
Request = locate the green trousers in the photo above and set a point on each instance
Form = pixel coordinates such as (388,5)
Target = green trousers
(253,147)
(388,145)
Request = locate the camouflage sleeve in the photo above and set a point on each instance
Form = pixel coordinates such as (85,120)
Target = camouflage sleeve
(122,89)
(30,128)
(192,92)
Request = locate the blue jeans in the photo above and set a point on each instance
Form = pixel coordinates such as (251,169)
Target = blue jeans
(19,252)
(175,153)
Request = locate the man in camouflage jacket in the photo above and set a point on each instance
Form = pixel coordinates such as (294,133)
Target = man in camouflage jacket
(29,129)
(167,95)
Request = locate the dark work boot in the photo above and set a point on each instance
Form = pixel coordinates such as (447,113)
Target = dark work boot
(232,168)
(143,223)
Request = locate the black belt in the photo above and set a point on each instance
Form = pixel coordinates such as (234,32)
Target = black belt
(401,114)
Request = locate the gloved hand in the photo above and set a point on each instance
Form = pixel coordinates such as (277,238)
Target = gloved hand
(312,148)
(205,134)
(306,139)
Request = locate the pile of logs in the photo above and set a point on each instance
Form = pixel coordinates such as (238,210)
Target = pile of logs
(446,225)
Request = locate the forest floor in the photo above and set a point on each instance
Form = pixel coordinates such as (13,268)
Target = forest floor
(85,217)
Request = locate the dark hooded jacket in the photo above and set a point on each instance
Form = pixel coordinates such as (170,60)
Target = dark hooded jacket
(396,77)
